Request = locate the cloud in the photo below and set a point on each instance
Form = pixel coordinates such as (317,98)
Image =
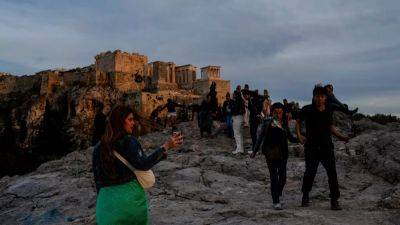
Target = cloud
(285,46)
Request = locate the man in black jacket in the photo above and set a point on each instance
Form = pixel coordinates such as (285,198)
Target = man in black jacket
(318,145)
(255,108)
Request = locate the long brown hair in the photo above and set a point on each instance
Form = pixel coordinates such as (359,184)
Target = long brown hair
(114,131)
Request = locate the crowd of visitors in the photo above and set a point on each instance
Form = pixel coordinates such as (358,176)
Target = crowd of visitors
(122,170)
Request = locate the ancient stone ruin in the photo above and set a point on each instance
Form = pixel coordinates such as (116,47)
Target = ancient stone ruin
(29,102)
(152,83)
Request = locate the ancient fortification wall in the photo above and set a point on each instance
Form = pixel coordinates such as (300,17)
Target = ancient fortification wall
(79,76)
(9,83)
(154,82)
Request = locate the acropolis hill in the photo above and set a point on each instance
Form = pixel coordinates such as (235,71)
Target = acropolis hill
(150,83)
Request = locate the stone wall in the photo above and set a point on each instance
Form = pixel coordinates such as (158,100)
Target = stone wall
(163,76)
(116,68)
(130,63)
(105,62)
(50,80)
(80,76)
(146,102)
(211,72)
(9,83)
(202,87)
(127,82)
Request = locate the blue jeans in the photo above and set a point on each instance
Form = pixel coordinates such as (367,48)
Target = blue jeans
(228,120)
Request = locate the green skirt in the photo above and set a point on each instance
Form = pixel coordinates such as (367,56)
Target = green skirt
(122,204)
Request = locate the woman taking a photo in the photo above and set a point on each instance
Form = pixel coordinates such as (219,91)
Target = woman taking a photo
(121,199)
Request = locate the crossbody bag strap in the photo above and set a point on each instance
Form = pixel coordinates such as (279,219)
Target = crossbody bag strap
(124,161)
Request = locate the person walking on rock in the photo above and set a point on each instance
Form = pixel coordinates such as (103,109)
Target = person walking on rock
(120,197)
(266,109)
(273,137)
(318,146)
(171,115)
(227,107)
(255,108)
(237,116)
(205,115)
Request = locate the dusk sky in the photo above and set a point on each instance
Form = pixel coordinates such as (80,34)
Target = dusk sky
(285,46)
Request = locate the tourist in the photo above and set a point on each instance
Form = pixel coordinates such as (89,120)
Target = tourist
(121,199)
(205,116)
(273,137)
(237,116)
(335,104)
(227,114)
(266,109)
(155,118)
(246,116)
(213,101)
(100,122)
(255,108)
(171,115)
(318,146)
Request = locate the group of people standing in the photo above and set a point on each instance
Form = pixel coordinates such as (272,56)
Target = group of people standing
(121,198)
(245,109)
(269,129)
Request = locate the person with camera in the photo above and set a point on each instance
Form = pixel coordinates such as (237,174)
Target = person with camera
(122,170)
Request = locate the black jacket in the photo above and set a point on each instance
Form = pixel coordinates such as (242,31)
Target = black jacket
(132,151)
(269,136)
(227,107)
(239,107)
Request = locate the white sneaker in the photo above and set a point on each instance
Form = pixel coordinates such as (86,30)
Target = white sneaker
(237,152)
(249,152)
(277,206)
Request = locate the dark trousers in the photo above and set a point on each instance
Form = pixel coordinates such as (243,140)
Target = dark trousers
(229,122)
(277,174)
(253,130)
(327,158)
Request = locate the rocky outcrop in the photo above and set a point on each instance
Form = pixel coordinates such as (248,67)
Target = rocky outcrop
(366,125)
(378,150)
(203,183)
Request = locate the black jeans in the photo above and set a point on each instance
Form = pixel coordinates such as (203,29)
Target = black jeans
(313,156)
(253,130)
(277,174)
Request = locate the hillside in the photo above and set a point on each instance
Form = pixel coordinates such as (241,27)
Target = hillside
(205,184)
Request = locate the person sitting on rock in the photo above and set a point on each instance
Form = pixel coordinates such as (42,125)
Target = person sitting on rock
(318,146)
(273,136)
(120,197)
(335,104)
